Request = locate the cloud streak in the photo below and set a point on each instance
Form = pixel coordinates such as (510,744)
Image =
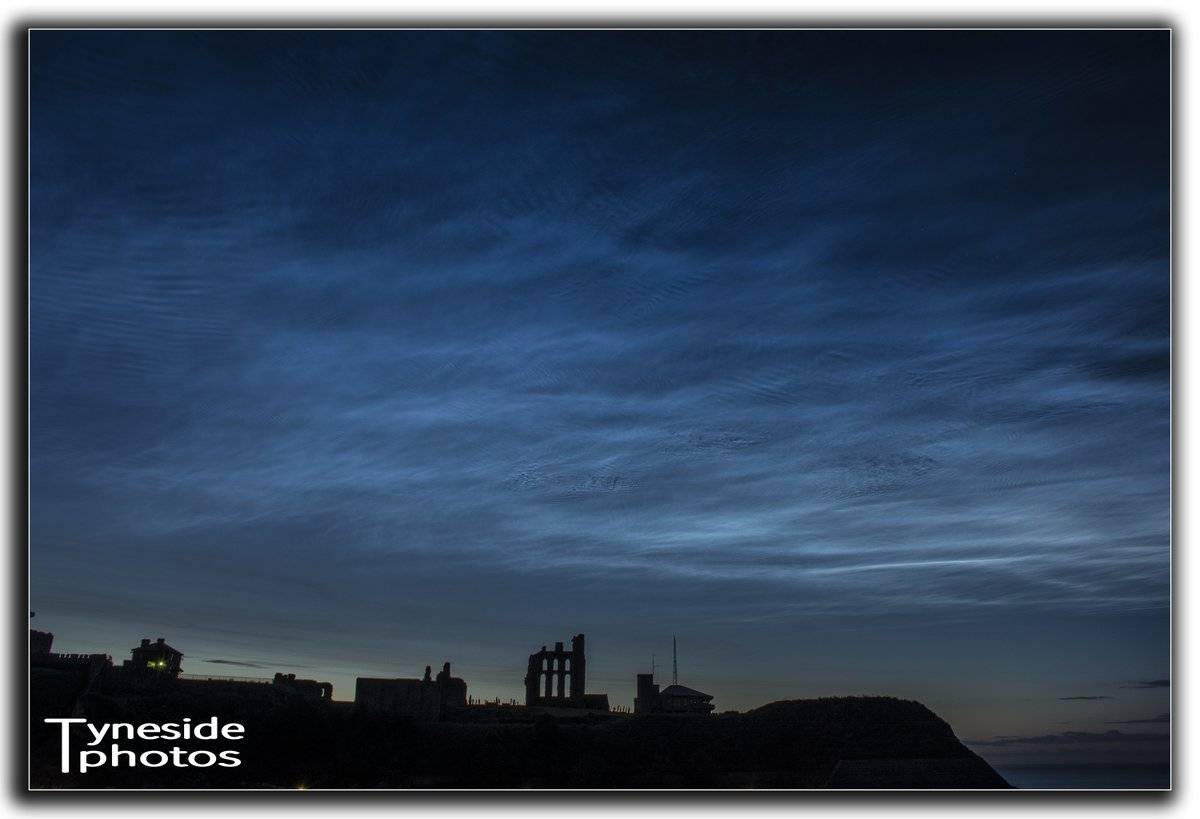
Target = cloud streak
(1159,718)
(1074,738)
(238,663)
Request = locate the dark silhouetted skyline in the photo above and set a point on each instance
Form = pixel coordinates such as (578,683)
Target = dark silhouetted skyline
(842,355)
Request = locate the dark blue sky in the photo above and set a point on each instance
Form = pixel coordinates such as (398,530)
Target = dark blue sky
(842,355)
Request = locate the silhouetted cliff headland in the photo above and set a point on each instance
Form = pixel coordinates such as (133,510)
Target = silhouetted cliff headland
(296,741)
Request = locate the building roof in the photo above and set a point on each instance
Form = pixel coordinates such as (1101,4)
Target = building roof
(158,647)
(683,691)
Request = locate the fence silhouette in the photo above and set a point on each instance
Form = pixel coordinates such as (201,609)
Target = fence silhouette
(211,678)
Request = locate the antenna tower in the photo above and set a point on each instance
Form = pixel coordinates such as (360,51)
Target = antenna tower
(674,662)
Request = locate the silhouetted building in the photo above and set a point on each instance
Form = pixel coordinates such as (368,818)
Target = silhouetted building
(92,663)
(310,688)
(558,678)
(674,699)
(646,698)
(40,642)
(424,700)
(41,655)
(157,656)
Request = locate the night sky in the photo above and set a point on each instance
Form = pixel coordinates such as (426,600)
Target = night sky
(844,356)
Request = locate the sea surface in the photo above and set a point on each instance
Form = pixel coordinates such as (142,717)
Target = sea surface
(1091,777)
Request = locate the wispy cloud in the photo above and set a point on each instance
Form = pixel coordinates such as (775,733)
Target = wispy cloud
(1087,697)
(1149,684)
(333,334)
(1071,738)
(1159,718)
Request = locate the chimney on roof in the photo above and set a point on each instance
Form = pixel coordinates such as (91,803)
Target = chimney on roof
(145,642)
(162,640)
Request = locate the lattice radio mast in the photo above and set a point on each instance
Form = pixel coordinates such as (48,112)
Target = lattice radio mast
(674,662)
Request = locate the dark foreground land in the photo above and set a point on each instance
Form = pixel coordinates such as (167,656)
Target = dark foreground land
(292,741)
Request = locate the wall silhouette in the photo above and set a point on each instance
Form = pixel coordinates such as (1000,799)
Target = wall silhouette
(424,700)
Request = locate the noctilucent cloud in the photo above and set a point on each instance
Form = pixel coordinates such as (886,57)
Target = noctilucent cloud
(842,355)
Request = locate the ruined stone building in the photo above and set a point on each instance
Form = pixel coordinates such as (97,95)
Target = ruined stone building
(674,699)
(424,700)
(558,678)
(313,689)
